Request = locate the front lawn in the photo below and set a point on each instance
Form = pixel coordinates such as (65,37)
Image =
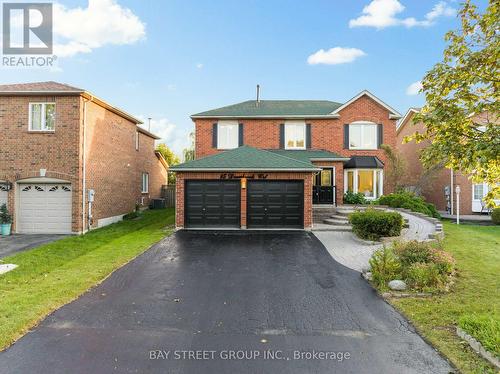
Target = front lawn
(476,250)
(54,274)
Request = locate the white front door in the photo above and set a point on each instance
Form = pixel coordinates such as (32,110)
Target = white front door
(44,208)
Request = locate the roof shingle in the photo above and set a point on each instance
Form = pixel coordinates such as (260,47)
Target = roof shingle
(49,86)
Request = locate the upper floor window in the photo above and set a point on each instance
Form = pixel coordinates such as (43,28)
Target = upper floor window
(42,116)
(295,135)
(145,182)
(363,135)
(227,135)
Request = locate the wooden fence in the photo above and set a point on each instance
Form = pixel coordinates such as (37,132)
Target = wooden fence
(168,193)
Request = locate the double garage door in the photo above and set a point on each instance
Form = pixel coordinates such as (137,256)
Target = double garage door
(270,204)
(44,208)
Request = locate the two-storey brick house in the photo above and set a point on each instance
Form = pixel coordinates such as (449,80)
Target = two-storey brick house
(58,144)
(266,163)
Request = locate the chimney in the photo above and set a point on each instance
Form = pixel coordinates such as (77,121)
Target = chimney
(258,96)
(149,123)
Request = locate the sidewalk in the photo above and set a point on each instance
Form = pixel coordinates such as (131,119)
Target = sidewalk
(478,218)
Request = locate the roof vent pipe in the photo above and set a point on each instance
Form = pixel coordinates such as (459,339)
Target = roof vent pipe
(258,95)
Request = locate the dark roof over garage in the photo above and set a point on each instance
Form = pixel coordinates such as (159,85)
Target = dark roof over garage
(246,158)
(364,162)
(308,155)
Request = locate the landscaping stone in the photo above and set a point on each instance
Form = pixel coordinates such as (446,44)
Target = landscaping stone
(478,347)
(4,268)
(397,285)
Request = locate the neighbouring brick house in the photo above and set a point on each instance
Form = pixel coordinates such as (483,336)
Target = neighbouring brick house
(59,142)
(438,187)
(267,163)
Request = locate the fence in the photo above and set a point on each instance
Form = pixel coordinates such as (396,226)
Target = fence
(168,193)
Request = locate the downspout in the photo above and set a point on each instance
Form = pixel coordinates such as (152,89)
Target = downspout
(84,161)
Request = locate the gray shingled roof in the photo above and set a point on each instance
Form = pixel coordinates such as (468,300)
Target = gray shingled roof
(246,158)
(307,155)
(273,108)
(49,86)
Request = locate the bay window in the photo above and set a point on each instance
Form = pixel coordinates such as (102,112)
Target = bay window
(295,135)
(369,182)
(363,135)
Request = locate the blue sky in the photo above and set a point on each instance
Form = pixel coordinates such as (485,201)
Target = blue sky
(169,59)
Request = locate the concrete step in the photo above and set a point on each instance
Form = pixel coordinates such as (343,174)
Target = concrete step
(344,212)
(325,227)
(336,222)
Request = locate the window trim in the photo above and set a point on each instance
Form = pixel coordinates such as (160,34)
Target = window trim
(379,187)
(304,131)
(136,140)
(43,124)
(145,175)
(485,188)
(364,123)
(227,123)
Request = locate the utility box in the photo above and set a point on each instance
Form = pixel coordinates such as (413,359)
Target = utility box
(158,204)
(91,196)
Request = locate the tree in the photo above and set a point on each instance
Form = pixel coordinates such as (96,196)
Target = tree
(171,158)
(461,113)
(396,170)
(188,153)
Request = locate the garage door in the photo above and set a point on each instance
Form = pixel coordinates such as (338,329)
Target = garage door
(275,204)
(214,204)
(44,209)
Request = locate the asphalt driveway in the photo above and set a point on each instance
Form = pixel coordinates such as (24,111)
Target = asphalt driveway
(12,244)
(215,293)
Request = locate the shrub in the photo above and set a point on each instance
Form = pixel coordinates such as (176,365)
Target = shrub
(409,200)
(373,224)
(354,198)
(495,216)
(422,276)
(5,217)
(384,267)
(443,260)
(486,329)
(413,251)
(132,215)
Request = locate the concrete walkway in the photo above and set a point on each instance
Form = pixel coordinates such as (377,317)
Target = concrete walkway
(475,218)
(351,252)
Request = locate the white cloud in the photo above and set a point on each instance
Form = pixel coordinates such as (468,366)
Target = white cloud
(173,136)
(102,22)
(334,56)
(414,88)
(383,13)
(199,65)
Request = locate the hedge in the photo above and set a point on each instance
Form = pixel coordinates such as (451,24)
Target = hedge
(373,224)
(408,200)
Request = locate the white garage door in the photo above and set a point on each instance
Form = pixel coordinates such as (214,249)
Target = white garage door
(3,195)
(44,208)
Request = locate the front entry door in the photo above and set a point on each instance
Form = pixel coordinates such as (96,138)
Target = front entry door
(323,187)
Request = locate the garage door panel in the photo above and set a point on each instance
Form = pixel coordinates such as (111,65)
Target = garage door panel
(45,208)
(211,203)
(275,204)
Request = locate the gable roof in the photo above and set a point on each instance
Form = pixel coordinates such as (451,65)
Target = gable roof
(272,108)
(246,158)
(394,114)
(405,118)
(60,89)
(288,109)
(307,155)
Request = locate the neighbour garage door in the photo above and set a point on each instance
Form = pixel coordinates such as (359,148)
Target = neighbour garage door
(214,204)
(44,209)
(275,204)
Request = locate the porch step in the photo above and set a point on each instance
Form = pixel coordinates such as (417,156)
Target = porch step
(336,222)
(326,227)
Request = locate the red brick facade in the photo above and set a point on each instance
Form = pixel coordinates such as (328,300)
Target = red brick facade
(326,134)
(114,167)
(433,192)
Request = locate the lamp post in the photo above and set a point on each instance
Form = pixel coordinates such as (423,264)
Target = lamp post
(457,191)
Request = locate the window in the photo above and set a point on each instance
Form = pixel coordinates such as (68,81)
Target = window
(295,135)
(137,140)
(42,116)
(363,135)
(369,182)
(227,134)
(478,191)
(145,182)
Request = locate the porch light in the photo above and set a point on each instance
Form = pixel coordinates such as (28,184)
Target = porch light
(243,183)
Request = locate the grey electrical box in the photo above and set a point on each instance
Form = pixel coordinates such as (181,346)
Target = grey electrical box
(91,196)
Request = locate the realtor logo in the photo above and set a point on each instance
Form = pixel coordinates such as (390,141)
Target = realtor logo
(27,29)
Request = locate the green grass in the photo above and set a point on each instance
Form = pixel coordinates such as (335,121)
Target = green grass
(54,274)
(477,252)
(485,329)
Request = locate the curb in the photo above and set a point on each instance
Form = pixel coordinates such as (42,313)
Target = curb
(478,348)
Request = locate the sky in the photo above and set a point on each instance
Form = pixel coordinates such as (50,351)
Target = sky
(173,58)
